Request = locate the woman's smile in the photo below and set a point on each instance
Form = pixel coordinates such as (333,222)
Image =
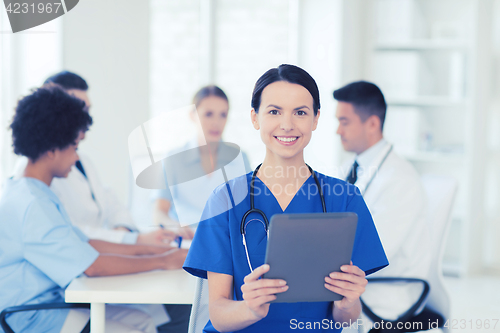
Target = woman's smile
(287,140)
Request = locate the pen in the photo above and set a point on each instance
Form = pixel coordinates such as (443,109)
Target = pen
(179,240)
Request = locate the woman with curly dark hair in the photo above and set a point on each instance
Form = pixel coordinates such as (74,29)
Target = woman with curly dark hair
(41,252)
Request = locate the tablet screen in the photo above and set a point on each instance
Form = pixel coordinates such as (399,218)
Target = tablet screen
(305,248)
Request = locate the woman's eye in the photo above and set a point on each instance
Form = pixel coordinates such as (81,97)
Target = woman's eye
(301,113)
(208,114)
(224,115)
(273,112)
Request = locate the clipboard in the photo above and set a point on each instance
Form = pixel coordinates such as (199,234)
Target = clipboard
(305,248)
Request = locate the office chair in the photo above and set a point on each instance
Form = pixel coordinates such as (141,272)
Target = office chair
(440,191)
(199,312)
(47,306)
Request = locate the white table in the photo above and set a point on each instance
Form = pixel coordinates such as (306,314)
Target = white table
(156,287)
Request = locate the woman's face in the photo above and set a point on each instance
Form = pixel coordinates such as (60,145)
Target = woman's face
(286,118)
(212,115)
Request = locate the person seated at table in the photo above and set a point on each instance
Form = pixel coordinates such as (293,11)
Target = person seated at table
(212,108)
(41,251)
(90,205)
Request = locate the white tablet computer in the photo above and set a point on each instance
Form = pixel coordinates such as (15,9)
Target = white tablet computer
(305,248)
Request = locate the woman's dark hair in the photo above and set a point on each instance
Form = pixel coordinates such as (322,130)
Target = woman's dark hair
(47,119)
(288,73)
(366,98)
(208,91)
(68,80)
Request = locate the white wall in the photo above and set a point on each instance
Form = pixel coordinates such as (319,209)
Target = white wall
(107,42)
(473,238)
(320,53)
(26,60)
(245,39)
(491,250)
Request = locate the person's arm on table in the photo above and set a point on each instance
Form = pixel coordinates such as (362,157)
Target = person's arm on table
(162,205)
(160,217)
(350,284)
(127,249)
(229,315)
(157,237)
(113,264)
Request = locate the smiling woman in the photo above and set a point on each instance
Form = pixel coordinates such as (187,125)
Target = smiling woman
(285,109)
(207,155)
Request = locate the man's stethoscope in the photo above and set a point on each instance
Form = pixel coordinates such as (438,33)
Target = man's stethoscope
(378,169)
(263,215)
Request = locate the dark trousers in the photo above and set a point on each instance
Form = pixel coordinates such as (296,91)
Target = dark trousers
(179,318)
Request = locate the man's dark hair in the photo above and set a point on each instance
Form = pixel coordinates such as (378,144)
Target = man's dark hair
(47,119)
(68,80)
(366,98)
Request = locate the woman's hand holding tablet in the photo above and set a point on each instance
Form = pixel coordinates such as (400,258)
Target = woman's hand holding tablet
(350,284)
(257,292)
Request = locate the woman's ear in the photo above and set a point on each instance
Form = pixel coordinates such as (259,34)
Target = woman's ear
(315,122)
(255,119)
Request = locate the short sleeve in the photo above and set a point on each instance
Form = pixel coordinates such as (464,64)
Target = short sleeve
(210,250)
(161,194)
(52,245)
(80,234)
(246,162)
(368,252)
(165,194)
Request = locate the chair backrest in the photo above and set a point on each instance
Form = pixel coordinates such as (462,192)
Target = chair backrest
(441,191)
(199,312)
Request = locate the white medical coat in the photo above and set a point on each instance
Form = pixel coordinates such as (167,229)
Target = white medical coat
(95,218)
(397,202)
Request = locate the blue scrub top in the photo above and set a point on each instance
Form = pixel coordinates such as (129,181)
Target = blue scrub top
(217,245)
(182,199)
(40,253)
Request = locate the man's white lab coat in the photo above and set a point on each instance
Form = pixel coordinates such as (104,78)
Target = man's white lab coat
(396,199)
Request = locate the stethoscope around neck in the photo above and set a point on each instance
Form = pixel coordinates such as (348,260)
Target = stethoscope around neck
(378,169)
(263,215)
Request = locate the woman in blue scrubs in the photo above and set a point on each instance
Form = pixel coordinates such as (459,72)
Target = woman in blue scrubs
(285,109)
(212,108)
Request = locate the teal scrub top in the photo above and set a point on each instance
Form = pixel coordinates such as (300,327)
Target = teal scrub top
(188,201)
(217,245)
(40,253)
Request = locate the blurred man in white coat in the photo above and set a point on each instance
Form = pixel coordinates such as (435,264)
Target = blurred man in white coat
(392,190)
